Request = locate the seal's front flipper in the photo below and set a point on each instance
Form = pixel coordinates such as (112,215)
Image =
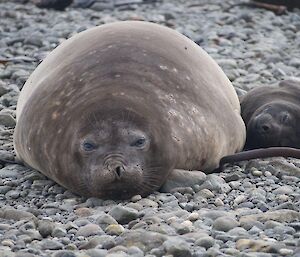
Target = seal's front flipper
(182,178)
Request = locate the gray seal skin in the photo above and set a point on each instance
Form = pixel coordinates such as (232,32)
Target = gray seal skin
(272,115)
(114,109)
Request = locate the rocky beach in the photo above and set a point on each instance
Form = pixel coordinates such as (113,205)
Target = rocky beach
(248,210)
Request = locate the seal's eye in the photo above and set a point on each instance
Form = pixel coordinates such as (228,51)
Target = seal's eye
(87,146)
(284,118)
(139,142)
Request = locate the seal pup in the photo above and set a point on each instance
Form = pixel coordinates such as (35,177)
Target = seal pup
(272,118)
(112,111)
(272,115)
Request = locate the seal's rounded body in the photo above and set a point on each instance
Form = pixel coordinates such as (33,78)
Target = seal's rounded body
(114,109)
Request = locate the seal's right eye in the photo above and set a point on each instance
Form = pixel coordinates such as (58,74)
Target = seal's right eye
(139,142)
(88,146)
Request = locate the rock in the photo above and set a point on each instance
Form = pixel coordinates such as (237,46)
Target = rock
(104,241)
(144,240)
(64,253)
(284,190)
(177,247)
(114,230)
(83,212)
(258,246)
(7,120)
(225,224)
(105,220)
(50,244)
(205,242)
(279,215)
(89,230)
(59,232)
(13,214)
(96,253)
(45,227)
(123,215)
(215,183)
(180,178)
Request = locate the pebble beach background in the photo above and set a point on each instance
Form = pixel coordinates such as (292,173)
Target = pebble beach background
(248,210)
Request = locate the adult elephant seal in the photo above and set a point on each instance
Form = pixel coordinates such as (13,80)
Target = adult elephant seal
(114,109)
(272,115)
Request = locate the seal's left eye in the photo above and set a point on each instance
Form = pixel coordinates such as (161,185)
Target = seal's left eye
(139,142)
(285,117)
(87,146)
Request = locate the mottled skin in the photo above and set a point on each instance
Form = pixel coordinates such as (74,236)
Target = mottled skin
(113,110)
(272,115)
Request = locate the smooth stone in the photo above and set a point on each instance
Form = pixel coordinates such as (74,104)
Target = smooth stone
(225,224)
(182,178)
(89,230)
(14,214)
(96,253)
(7,120)
(123,215)
(278,215)
(83,212)
(114,229)
(177,247)
(45,227)
(215,183)
(105,220)
(59,232)
(145,240)
(205,242)
(287,190)
(104,241)
(50,244)
(63,253)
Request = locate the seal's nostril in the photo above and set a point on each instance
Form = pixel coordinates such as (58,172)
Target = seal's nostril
(265,128)
(118,171)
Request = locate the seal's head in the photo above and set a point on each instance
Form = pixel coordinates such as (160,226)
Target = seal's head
(117,153)
(274,124)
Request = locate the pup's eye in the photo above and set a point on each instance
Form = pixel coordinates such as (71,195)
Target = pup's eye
(139,142)
(88,146)
(284,118)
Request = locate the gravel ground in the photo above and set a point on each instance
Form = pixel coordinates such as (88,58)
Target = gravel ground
(248,210)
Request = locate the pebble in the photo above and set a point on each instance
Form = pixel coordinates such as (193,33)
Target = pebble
(89,230)
(7,120)
(50,244)
(45,227)
(225,224)
(123,215)
(114,229)
(177,247)
(205,242)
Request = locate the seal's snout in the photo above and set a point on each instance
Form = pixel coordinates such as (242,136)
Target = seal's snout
(263,125)
(264,128)
(119,170)
(116,167)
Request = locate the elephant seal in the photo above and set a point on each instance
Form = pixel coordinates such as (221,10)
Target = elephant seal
(114,109)
(272,115)
(272,118)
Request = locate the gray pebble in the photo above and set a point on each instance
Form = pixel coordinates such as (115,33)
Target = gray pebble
(123,214)
(225,224)
(89,230)
(51,244)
